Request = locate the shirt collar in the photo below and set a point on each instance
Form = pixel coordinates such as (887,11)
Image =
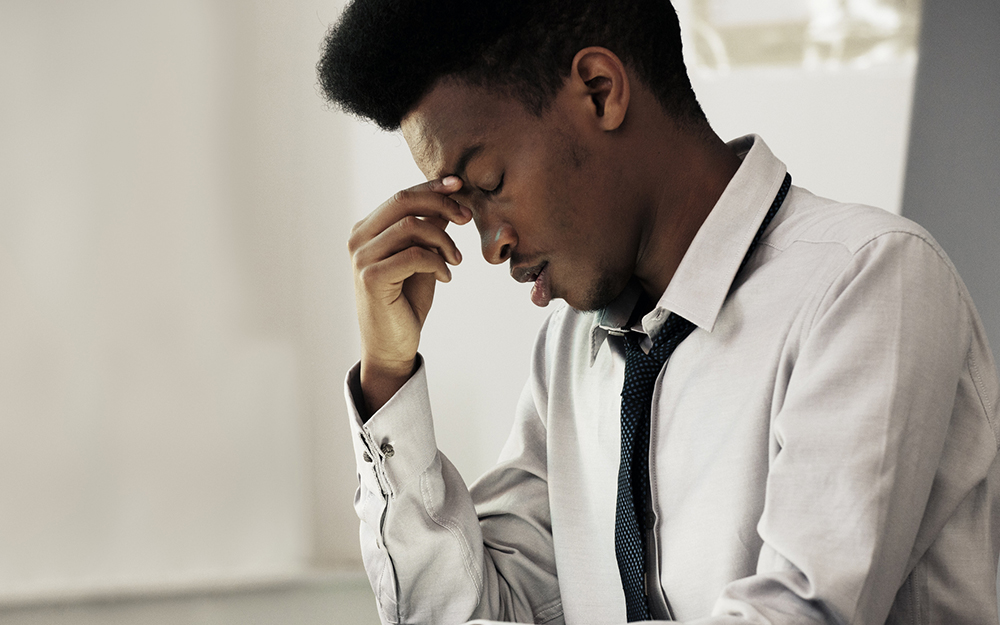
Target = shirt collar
(699,287)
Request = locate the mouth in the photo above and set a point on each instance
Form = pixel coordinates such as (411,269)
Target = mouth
(527,274)
(541,290)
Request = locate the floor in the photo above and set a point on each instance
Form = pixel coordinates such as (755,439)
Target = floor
(327,600)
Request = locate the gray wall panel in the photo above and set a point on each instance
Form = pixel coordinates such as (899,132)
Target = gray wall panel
(953,169)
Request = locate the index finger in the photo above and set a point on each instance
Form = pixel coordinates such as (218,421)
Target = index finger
(428,200)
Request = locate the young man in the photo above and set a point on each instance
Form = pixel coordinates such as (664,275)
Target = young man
(759,406)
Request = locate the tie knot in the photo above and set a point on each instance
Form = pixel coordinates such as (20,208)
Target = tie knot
(674,330)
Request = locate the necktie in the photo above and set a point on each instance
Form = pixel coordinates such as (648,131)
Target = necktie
(641,371)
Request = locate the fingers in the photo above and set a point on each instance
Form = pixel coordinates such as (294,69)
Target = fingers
(409,231)
(428,200)
(392,271)
(405,236)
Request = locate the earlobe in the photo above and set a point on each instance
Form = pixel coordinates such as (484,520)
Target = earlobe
(605,82)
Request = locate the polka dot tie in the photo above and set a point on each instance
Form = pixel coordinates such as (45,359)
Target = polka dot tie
(641,372)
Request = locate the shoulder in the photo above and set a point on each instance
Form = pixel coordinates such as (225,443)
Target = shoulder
(845,237)
(844,259)
(808,218)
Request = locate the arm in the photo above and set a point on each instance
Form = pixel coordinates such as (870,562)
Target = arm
(861,432)
(428,557)
(398,252)
(432,554)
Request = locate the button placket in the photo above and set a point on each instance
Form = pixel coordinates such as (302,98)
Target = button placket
(366,454)
(385,452)
(376,456)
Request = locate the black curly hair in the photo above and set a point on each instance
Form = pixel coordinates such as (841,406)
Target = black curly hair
(383,56)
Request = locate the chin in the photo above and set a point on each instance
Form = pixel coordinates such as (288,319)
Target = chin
(600,294)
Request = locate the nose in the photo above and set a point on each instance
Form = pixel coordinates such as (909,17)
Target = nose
(498,241)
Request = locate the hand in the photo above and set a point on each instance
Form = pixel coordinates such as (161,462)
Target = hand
(398,253)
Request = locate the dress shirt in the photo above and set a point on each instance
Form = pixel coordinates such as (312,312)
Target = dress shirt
(823,446)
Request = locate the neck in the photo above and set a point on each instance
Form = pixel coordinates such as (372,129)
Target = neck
(689,171)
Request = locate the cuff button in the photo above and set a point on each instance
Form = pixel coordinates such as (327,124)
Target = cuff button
(388,451)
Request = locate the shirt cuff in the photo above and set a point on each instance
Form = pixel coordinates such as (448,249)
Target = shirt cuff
(397,443)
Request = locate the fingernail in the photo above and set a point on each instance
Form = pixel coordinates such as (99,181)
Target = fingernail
(450,181)
(466,212)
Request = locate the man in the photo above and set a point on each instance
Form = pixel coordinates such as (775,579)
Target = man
(759,406)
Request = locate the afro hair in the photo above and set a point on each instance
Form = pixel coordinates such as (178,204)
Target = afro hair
(383,56)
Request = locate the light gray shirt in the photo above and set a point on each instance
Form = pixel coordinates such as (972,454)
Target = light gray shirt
(823,445)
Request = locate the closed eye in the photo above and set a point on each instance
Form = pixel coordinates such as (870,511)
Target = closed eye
(495,190)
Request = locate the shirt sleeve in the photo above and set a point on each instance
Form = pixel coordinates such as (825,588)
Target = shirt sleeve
(860,438)
(436,552)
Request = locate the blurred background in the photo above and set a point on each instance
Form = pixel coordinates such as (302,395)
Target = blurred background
(176,304)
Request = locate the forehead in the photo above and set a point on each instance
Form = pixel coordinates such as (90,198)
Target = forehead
(454,119)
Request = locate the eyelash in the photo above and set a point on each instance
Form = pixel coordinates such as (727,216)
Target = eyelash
(495,190)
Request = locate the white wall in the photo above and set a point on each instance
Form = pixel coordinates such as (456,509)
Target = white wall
(840,124)
(841,132)
(175,311)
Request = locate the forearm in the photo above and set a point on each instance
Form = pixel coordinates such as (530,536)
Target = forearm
(422,541)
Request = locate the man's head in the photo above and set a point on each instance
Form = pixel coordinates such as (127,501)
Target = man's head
(383,56)
(572,125)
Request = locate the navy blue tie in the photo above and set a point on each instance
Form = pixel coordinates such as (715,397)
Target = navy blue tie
(641,371)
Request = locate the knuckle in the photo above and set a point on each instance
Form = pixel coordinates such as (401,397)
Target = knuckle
(447,202)
(411,254)
(357,261)
(356,246)
(408,223)
(402,196)
(356,239)
(368,276)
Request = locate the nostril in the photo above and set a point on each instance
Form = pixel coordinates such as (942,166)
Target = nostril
(498,242)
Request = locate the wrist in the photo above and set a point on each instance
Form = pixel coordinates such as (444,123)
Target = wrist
(380,380)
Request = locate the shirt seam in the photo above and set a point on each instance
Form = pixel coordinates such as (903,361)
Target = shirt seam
(857,250)
(388,572)
(467,559)
(979,385)
(549,613)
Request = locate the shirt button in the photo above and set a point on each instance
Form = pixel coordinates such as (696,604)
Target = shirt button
(366,457)
(388,451)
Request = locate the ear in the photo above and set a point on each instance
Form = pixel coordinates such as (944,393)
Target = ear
(603,78)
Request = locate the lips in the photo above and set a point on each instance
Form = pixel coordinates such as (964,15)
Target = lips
(541,291)
(527,274)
